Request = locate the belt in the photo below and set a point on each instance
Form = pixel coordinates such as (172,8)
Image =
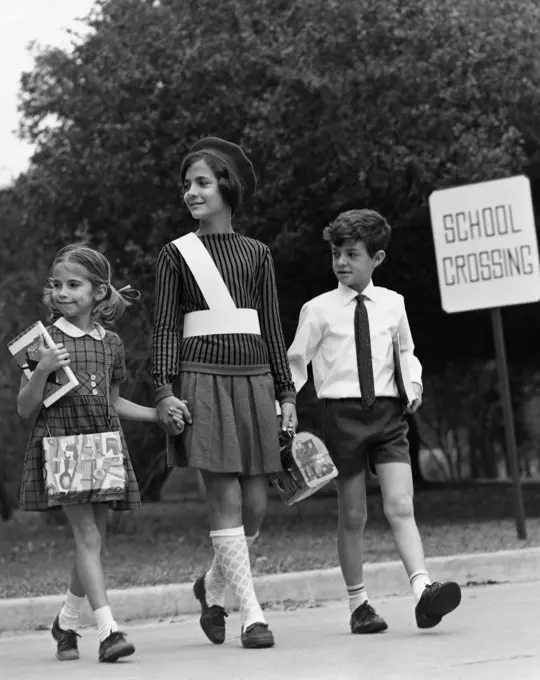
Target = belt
(226,321)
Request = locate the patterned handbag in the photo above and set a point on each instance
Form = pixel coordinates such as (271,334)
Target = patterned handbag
(85,468)
(307,466)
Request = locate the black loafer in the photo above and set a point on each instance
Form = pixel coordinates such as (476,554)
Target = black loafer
(438,600)
(212,619)
(365,620)
(257,636)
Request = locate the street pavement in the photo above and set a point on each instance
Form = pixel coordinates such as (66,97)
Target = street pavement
(494,634)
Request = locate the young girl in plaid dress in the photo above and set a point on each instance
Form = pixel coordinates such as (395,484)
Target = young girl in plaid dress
(81,298)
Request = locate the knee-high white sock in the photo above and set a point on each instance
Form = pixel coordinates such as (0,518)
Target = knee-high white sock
(70,612)
(232,552)
(214,580)
(419,580)
(215,583)
(357,596)
(105,622)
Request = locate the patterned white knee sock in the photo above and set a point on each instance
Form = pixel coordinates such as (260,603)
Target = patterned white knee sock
(232,552)
(214,579)
(215,583)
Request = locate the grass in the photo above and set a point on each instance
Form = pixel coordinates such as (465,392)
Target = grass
(168,542)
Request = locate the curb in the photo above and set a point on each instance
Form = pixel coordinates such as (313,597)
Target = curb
(383,579)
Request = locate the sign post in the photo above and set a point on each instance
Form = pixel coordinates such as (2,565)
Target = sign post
(487,258)
(508,419)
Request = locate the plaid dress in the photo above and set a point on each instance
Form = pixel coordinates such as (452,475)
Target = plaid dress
(82,411)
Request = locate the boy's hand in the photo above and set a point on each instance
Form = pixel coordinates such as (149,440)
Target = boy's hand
(52,358)
(417,402)
(289,419)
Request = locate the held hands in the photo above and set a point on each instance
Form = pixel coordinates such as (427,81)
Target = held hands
(52,358)
(172,415)
(177,417)
(417,402)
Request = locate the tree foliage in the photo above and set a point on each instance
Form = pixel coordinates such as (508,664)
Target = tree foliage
(340,103)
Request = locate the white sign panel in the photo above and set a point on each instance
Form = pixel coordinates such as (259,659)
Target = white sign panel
(485,245)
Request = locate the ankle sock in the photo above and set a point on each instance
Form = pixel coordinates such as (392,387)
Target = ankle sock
(357,596)
(419,580)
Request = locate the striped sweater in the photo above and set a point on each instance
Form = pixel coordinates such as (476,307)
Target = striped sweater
(247,269)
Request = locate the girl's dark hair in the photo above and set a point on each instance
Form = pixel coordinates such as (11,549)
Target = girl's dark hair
(98,272)
(360,225)
(229,182)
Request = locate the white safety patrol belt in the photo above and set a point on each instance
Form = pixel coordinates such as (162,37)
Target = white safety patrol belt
(223,316)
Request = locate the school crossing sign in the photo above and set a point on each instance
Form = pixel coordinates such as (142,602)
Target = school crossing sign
(485,245)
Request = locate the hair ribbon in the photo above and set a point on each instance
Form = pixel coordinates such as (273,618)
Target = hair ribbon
(128,292)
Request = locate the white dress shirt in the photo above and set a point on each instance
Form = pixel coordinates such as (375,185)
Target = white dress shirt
(325,336)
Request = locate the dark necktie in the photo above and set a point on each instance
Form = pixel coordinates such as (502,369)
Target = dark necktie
(363,352)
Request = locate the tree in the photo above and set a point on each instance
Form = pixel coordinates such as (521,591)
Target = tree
(23,272)
(340,104)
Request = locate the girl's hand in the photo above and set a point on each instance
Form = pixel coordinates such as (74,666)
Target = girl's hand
(289,419)
(177,417)
(165,420)
(52,358)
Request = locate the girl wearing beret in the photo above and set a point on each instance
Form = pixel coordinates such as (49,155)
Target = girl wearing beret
(219,356)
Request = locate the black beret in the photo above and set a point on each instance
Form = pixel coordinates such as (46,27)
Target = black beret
(233,155)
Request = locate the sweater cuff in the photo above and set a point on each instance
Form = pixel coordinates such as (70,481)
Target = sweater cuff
(287,398)
(162,392)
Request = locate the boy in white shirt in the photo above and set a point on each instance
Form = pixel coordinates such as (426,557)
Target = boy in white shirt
(348,336)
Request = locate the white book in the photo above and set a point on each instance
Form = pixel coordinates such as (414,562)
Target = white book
(402,375)
(25,351)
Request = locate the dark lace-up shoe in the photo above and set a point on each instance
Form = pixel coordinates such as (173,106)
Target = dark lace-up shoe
(66,642)
(365,620)
(115,647)
(212,618)
(438,600)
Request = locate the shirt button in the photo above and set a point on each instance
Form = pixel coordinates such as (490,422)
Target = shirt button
(92,377)
(93,383)
(94,391)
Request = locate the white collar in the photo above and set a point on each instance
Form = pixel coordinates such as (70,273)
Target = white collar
(98,333)
(347,294)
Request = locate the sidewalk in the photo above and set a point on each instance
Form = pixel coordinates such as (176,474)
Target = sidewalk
(382,579)
(493,635)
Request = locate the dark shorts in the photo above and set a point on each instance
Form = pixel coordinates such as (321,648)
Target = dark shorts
(356,436)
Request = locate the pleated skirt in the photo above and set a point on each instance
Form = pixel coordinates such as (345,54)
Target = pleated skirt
(234,427)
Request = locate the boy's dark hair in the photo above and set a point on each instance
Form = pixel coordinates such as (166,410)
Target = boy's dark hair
(360,225)
(230,184)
